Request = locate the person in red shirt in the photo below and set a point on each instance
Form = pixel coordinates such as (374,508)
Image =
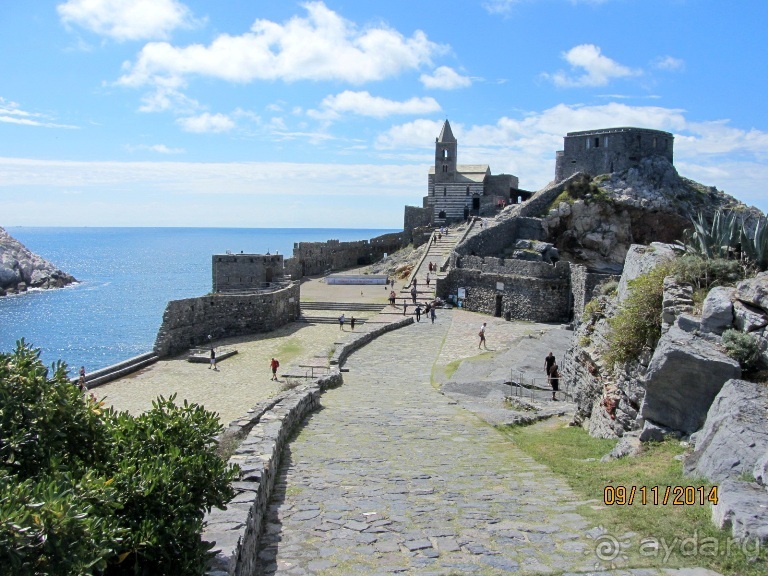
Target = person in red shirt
(274,365)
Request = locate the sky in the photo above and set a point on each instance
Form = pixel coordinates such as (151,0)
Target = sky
(256,113)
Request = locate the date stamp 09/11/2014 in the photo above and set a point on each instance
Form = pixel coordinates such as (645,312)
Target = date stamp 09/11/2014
(659,495)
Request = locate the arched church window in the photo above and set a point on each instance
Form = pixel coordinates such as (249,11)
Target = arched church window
(467,190)
(445,153)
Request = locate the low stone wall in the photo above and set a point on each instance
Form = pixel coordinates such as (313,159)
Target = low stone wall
(188,323)
(264,433)
(363,338)
(236,530)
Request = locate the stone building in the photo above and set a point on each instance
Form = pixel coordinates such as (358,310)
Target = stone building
(610,150)
(246,272)
(456,191)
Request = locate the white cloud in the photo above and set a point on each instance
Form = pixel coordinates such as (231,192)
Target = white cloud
(127,19)
(206,123)
(166,98)
(159,148)
(445,78)
(669,63)
(505,6)
(363,104)
(11,113)
(322,46)
(714,153)
(598,70)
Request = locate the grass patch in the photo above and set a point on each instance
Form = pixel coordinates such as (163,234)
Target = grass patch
(573,454)
(289,349)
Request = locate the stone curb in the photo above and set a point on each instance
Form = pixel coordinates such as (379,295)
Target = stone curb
(342,353)
(236,530)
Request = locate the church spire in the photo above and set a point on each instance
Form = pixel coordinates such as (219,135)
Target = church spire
(445,134)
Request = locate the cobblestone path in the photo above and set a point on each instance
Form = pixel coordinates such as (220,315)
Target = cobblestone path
(391,476)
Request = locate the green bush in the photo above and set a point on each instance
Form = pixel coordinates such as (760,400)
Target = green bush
(743,348)
(704,273)
(637,325)
(87,490)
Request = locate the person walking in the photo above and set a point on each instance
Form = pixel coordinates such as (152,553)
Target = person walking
(352,323)
(427,280)
(413,294)
(482,336)
(213,360)
(341,322)
(548,362)
(554,379)
(418,313)
(432,314)
(274,365)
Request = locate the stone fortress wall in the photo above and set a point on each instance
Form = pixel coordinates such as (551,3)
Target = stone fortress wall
(610,150)
(311,258)
(238,272)
(188,323)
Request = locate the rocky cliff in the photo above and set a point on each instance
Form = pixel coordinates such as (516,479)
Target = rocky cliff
(595,220)
(21,269)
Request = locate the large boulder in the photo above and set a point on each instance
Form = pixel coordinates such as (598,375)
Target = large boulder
(742,507)
(641,260)
(684,376)
(754,291)
(717,310)
(734,438)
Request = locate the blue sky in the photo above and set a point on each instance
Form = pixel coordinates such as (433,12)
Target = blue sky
(251,113)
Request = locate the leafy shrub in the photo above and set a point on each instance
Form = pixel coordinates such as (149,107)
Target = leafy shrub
(87,490)
(637,325)
(608,288)
(705,273)
(743,348)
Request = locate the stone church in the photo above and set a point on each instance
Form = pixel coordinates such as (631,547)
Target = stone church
(458,191)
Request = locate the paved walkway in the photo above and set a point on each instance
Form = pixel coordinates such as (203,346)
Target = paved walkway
(391,476)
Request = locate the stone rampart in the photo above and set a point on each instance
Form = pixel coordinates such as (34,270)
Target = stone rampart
(311,258)
(493,240)
(188,323)
(233,272)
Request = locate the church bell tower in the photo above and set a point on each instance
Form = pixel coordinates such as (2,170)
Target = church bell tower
(445,155)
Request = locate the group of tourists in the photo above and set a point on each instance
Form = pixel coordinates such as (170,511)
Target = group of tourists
(343,319)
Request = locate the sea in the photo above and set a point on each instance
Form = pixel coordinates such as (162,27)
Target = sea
(126,277)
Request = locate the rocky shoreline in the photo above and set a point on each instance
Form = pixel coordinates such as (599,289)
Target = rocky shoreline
(22,270)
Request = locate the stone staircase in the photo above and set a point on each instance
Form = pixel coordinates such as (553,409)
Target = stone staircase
(438,253)
(336,309)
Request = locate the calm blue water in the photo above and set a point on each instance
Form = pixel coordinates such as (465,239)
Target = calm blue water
(127,277)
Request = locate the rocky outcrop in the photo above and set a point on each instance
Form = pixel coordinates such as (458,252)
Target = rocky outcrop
(599,218)
(734,437)
(685,374)
(732,450)
(21,269)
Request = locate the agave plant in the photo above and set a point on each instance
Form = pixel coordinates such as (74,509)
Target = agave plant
(755,246)
(726,237)
(717,240)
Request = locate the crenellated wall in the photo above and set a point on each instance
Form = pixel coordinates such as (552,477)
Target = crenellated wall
(311,258)
(188,323)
